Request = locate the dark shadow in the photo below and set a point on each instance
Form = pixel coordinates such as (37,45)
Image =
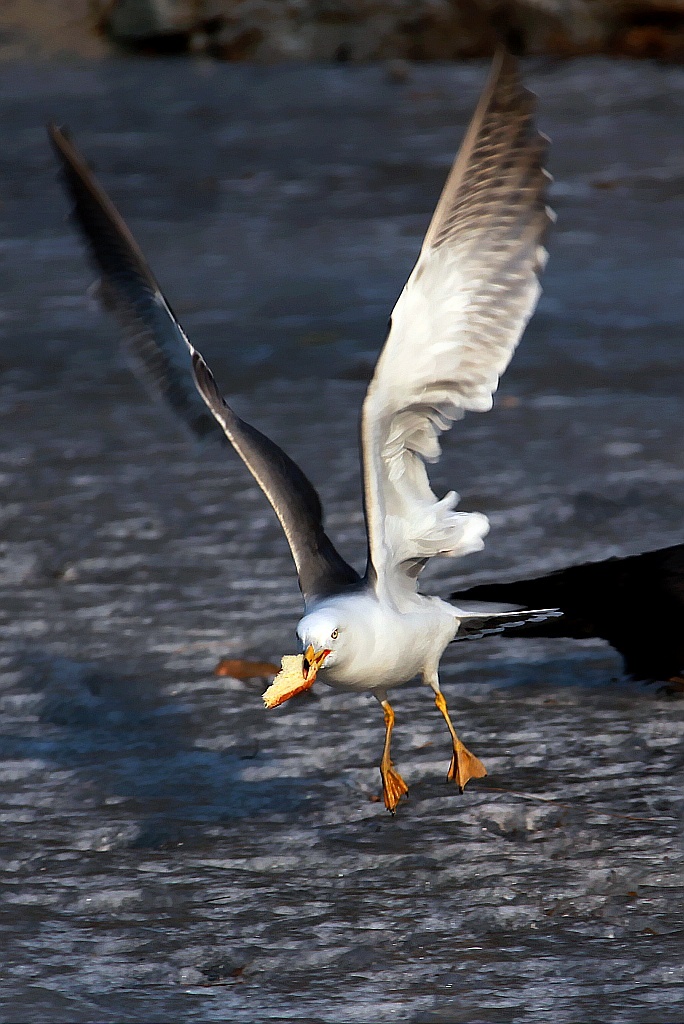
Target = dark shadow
(134,751)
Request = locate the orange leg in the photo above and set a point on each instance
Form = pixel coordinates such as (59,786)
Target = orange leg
(393,786)
(464,765)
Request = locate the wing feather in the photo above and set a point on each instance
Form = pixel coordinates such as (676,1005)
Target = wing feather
(453,331)
(178,373)
(154,341)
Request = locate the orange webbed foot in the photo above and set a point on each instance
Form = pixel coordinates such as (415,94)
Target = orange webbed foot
(393,788)
(464,766)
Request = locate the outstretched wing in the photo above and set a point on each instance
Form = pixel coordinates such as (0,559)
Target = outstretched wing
(453,331)
(172,367)
(153,339)
(322,571)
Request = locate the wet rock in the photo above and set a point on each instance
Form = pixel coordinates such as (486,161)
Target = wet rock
(348,30)
(358,30)
(133,20)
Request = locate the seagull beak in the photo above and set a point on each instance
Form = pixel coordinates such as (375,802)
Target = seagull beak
(313,661)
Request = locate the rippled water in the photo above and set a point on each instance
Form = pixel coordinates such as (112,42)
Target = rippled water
(171,851)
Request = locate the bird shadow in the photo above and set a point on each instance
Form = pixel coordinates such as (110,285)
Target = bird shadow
(131,749)
(542,665)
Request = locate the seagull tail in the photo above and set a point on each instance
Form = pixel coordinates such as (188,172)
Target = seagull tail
(584,593)
(475,623)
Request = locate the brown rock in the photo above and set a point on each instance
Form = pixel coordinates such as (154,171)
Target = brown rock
(343,30)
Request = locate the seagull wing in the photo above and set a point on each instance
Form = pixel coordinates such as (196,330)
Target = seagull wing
(177,372)
(154,341)
(322,570)
(453,331)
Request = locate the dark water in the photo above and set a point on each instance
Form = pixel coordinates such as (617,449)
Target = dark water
(169,850)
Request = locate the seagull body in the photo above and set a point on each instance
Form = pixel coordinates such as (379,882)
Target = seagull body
(378,646)
(452,333)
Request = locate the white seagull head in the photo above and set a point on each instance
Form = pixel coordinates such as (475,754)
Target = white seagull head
(323,636)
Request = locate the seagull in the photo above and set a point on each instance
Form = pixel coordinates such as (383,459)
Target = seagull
(451,335)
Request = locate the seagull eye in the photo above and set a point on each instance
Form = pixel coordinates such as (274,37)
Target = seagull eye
(334,635)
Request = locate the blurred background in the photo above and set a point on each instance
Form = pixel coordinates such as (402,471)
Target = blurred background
(169,850)
(343,30)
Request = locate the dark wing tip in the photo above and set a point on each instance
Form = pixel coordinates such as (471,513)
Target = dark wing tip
(104,229)
(68,155)
(505,87)
(153,338)
(71,161)
(500,161)
(57,133)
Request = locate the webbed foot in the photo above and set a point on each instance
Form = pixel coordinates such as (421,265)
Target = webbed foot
(393,787)
(464,766)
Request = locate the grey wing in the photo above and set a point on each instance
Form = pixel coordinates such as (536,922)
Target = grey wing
(322,571)
(453,331)
(180,375)
(154,340)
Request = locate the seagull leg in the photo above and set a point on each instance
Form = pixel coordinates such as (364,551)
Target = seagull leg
(464,765)
(393,786)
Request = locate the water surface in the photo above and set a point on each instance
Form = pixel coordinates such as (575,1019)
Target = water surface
(170,850)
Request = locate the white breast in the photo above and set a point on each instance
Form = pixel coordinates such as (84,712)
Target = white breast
(385,647)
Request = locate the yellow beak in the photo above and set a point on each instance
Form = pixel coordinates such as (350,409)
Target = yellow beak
(313,661)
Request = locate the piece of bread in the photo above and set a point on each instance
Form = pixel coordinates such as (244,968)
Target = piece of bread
(289,681)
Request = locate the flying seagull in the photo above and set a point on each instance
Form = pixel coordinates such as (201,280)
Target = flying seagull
(452,334)
(635,603)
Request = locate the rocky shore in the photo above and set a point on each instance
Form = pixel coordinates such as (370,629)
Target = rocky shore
(270,31)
